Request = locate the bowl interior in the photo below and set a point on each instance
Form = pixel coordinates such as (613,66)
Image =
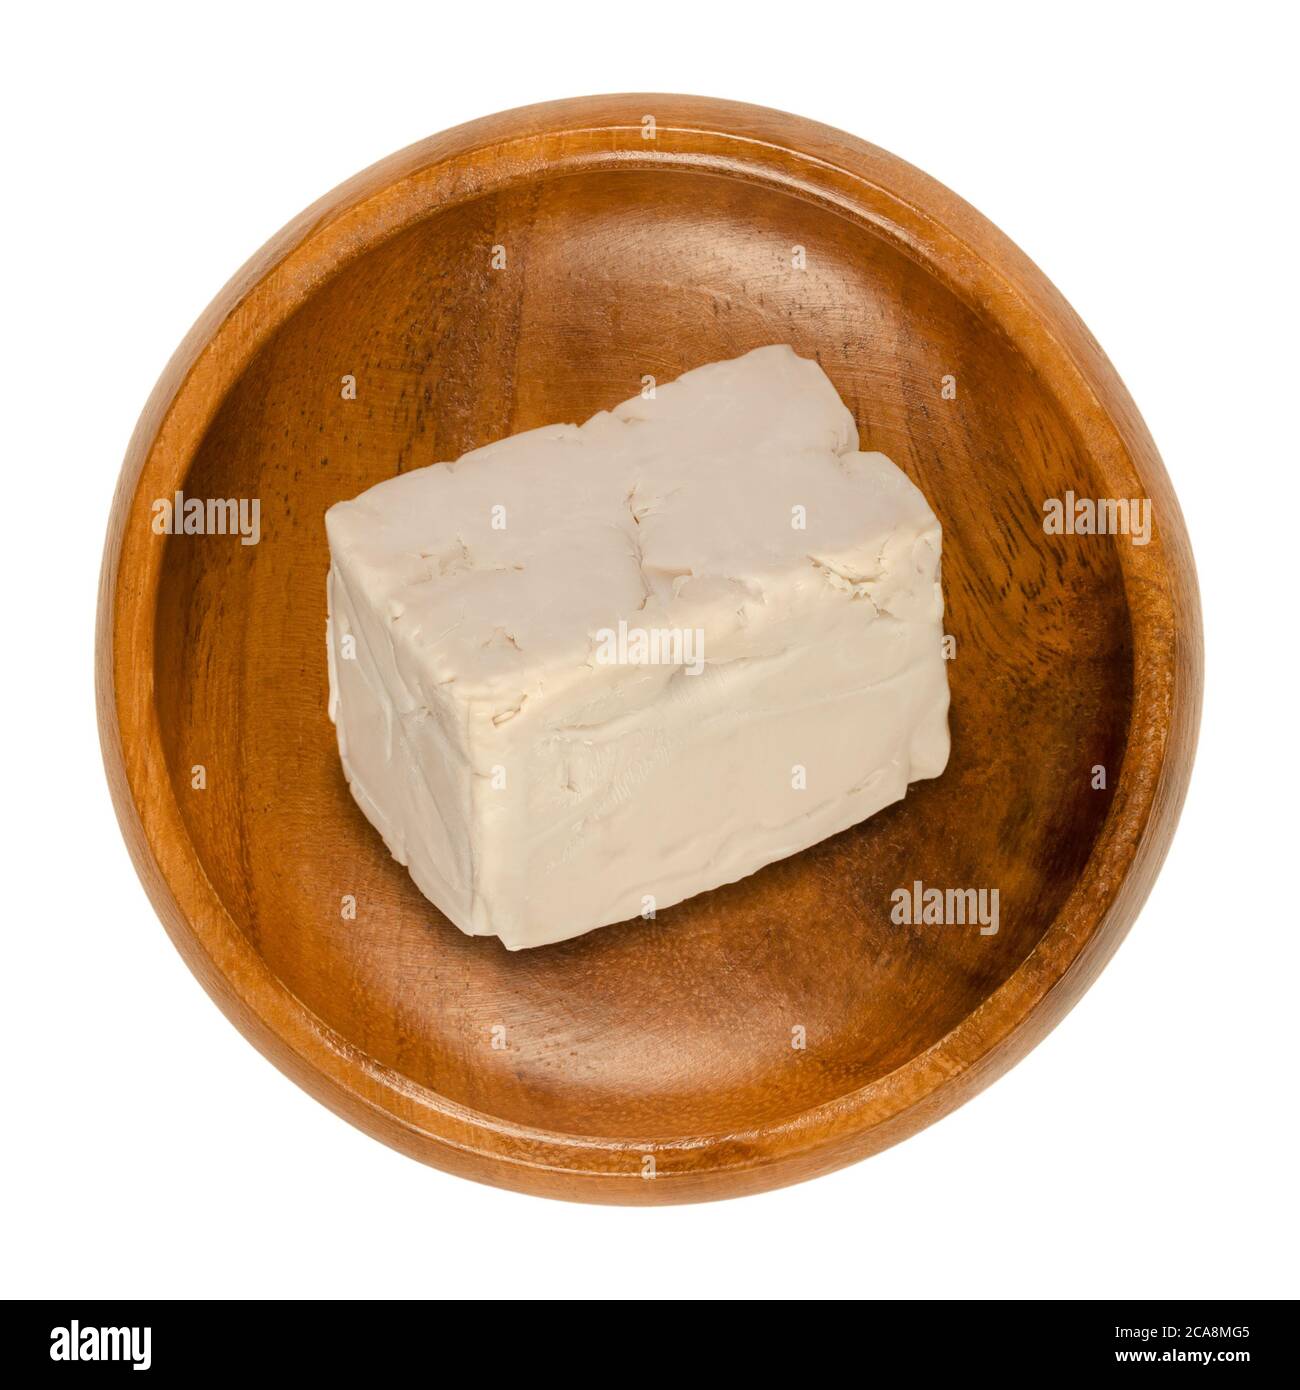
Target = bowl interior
(684,1025)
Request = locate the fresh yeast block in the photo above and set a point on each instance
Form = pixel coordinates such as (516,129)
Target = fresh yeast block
(591,670)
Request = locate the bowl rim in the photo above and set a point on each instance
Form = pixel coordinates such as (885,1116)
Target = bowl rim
(953,242)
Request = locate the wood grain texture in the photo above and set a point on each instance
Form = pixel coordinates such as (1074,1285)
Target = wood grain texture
(628,256)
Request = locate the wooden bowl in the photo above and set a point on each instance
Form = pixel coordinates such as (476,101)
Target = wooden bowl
(646,1062)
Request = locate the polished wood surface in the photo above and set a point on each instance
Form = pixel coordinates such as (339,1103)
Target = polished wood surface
(667,1047)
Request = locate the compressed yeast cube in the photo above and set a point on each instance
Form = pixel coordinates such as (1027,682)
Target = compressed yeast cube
(591,670)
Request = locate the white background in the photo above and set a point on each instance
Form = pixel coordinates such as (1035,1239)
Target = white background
(1144,156)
